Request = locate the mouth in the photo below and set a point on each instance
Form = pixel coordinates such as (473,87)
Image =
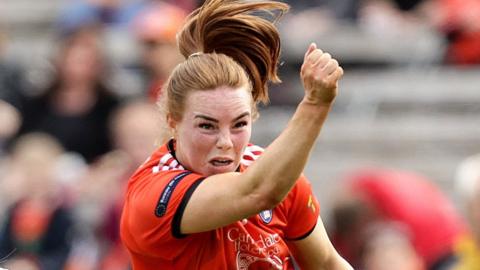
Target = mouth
(221,162)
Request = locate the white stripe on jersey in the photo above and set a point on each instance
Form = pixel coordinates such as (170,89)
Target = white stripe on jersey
(165,158)
(252,153)
(174,163)
(167,163)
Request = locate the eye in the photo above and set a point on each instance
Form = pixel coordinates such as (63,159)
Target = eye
(206,126)
(241,124)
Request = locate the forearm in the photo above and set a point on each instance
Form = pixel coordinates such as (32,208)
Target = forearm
(284,160)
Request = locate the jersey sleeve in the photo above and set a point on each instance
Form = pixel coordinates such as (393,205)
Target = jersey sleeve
(303,210)
(153,211)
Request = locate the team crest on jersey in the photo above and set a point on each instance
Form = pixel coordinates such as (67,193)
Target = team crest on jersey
(266,216)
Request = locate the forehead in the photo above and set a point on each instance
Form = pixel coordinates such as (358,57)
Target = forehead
(223,101)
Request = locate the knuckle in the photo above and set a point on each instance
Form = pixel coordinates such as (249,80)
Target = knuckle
(315,52)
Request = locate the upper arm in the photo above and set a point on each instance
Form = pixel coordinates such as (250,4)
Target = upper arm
(317,252)
(220,200)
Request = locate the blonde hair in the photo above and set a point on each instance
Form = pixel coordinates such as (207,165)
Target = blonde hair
(225,44)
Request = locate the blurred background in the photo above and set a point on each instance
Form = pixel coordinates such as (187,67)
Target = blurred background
(396,169)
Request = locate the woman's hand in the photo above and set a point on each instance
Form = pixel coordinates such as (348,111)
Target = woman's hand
(320,74)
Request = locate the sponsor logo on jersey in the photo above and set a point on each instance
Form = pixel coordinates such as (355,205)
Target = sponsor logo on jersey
(266,216)
(261,252)
(162,204)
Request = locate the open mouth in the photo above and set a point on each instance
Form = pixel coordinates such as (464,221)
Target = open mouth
(221,162)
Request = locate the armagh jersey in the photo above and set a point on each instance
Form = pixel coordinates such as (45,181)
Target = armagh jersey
(156,198)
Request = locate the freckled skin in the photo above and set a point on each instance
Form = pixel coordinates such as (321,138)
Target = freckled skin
(216,124)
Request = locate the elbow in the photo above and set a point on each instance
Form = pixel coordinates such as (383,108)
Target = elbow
(265,204)
(268,199)
(268,194)
(270,202)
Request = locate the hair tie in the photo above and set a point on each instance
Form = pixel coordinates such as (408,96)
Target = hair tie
(195,54)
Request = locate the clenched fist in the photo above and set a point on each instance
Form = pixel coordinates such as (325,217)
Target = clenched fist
(320,74)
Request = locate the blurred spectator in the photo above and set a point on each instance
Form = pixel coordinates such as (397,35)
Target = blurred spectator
(76,106)
(10,86)
(113,18)
(387,246)
(373,195)
(135,129)
(94,194)
(130,46)
(468,187)
(35,232)
(112,13)
(156,28)
(457,20)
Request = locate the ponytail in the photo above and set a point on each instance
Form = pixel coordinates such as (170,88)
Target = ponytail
(231,28)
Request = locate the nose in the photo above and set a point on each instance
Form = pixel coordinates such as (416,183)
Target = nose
(224,140)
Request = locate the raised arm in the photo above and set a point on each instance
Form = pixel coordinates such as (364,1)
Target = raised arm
(226,198)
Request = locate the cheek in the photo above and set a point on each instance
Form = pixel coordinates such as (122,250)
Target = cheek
(201,144)
(240,140)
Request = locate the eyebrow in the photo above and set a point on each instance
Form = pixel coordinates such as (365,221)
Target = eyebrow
(216,121)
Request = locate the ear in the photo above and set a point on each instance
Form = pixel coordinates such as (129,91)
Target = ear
(172,125)
(171,122)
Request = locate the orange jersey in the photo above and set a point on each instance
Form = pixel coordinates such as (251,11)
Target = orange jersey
(156,198)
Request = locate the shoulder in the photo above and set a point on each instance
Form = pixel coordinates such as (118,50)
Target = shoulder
(155,200)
